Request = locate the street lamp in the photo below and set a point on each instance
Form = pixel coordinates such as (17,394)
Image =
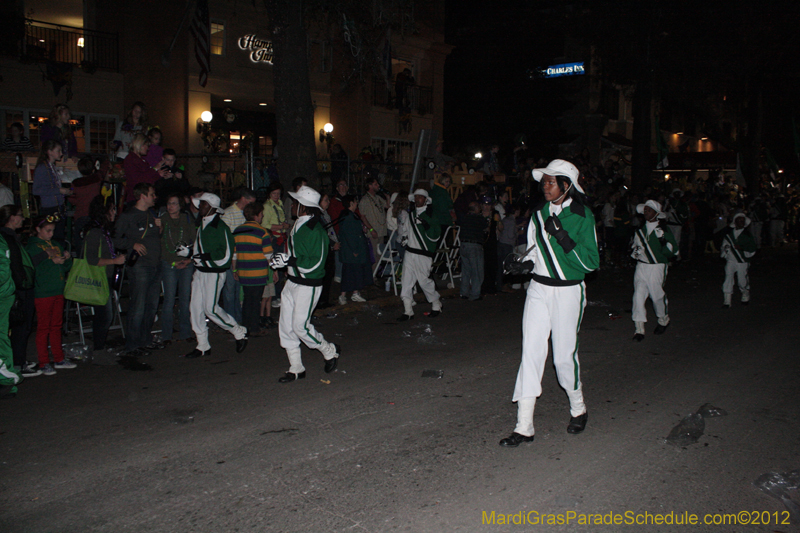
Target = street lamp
(203,121)
(325,133)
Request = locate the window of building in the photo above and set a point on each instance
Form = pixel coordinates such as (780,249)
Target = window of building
(94,134)
(217,37)
(235,142)
(101,134)
(35,121)
(12,116)
(400,151)
(78,126)
(264,146)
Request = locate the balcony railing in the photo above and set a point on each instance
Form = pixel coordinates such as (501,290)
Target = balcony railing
(418,99)
(88,49)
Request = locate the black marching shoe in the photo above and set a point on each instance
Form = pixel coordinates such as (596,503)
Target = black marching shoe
(291,376)
(241,344)
(638,337)
(434,314)
(577,423)
(194,354)
(515,440)
(660,329)
(331,364)
(405,318)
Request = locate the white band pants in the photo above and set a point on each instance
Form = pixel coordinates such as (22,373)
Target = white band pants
(206,288)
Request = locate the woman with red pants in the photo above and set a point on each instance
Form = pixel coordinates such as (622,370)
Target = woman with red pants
(51,265)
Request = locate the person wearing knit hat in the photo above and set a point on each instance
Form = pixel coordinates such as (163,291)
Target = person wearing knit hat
(563,250)
(420,234)
(738,247)
(653,247)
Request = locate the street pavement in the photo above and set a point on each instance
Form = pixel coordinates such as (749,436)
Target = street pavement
(218,445)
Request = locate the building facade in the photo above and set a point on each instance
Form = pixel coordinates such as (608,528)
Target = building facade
(101,57)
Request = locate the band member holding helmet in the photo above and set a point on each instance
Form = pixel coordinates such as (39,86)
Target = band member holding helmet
(563,251)
(653,247)
(307,247)
(419,231)
(738,247)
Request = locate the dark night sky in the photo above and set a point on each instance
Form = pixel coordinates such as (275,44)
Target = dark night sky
(488,97)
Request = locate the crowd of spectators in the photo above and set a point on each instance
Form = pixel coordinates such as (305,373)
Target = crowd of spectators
(153,236)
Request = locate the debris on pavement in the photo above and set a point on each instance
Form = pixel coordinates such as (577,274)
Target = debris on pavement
(687,431)
(691,428)
(776,485)
(128,362)
(709,411)
(438,374)
(77,351)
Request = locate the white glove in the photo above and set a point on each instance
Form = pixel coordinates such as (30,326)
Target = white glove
(279,261)
(403,241)
(637,252)
(659,232)
(182,251)
(197,261)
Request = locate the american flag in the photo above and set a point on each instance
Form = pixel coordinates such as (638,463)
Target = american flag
(201,29)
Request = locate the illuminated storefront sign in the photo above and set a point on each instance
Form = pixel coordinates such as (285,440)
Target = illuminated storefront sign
(261,51)
(565,69)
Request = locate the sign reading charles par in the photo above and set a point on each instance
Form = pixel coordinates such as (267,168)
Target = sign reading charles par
(261,50)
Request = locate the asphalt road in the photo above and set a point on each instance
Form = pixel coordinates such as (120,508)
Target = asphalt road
(218,445)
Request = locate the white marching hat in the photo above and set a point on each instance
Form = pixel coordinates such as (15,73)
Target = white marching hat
(652,204)
(306,196)
(559,167)
(420,192)
(742,215)
(210,199)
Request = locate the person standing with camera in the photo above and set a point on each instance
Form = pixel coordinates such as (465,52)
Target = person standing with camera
(138,232)
(563,251)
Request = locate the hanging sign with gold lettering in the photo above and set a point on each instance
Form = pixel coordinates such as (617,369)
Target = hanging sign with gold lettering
(261,51)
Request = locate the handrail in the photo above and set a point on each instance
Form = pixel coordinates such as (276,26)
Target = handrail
(31,22)
(89,49)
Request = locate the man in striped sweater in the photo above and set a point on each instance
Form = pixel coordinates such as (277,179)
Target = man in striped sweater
(653,247)
(213,253)
(307,247)
(563,251)
(251,264)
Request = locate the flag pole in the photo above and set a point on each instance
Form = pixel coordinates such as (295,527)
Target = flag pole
(165,57)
